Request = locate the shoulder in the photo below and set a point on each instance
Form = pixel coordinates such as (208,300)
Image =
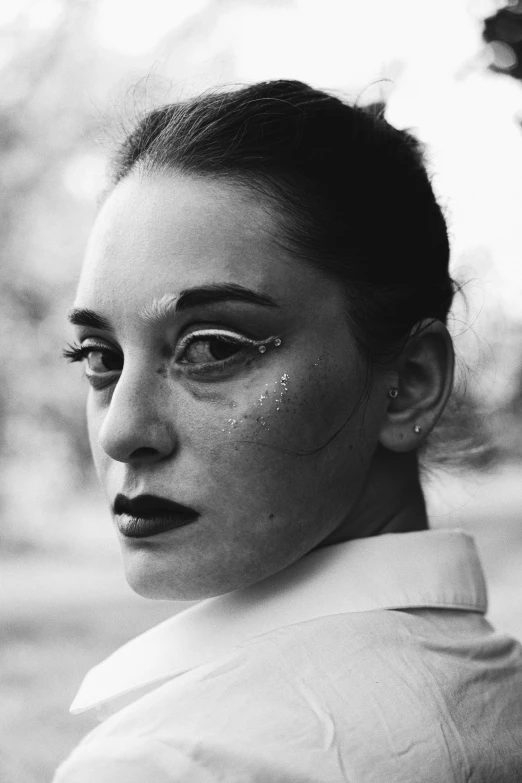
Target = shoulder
(363,692)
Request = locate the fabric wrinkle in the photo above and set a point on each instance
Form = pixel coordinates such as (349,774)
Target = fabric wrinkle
(342,677)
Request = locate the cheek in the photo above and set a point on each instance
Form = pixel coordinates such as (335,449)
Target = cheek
(283,431)
(297,410)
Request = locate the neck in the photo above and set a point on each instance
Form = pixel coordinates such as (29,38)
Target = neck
(391,500)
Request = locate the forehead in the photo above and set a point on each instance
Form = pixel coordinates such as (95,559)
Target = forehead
(168,231)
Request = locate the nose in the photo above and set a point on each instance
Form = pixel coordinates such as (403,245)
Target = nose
(138,423)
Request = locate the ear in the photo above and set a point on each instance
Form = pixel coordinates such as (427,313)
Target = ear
(424,379)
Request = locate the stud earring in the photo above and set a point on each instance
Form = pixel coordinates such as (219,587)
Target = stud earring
(277,342)
(417,430)
(262,349)
(393,392)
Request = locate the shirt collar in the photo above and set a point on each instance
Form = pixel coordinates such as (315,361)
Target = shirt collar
(437,569)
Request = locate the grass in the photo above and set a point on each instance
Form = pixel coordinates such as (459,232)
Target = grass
(61,615)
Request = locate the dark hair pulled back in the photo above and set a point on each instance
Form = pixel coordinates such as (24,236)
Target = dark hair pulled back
(350,192)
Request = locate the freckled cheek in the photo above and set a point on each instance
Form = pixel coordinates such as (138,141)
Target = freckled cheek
(288,414)
(306,406)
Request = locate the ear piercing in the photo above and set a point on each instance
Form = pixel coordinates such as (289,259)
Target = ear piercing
(393,393)
(263,343)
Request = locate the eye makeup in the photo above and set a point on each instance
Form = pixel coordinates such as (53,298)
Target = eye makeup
(195,354)
(193,346)
(226,336)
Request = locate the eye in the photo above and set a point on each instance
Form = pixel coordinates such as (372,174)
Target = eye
(214,351)
(210,349)
(102,362)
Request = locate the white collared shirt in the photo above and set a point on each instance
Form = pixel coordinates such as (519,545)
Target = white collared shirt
(368,661)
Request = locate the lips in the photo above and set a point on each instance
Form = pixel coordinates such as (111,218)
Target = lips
(150,515)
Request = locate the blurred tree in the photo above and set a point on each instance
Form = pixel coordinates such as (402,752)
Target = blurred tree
(45,124)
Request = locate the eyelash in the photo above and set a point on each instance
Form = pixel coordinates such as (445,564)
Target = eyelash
(78,353)
(217,334)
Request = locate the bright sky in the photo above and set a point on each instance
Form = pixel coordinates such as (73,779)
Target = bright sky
(135,27)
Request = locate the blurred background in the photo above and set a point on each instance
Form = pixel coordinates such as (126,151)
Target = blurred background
(73,75)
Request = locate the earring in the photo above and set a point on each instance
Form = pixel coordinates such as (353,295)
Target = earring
(393,392)
(417,430)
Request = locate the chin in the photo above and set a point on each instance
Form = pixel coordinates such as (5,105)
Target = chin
(151,577)
(159,586)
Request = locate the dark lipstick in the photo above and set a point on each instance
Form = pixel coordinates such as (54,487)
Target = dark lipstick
(149,515)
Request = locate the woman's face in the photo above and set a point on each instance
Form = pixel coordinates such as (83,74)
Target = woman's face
(269,448)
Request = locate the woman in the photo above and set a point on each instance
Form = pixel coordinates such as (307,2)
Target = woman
(262,314)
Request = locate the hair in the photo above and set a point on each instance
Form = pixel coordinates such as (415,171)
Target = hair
(350,193)
(351,196)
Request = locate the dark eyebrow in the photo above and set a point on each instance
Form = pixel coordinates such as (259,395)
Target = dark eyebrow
(222,292)
(80,316)
(168,305)
(161,309)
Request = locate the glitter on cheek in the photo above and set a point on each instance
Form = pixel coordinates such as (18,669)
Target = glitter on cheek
(232,424)
(284,388)
(271,399)
(264,396)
